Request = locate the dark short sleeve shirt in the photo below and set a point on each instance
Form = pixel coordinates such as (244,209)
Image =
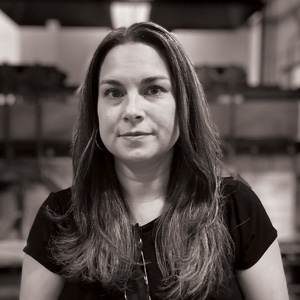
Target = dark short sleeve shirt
(247,221)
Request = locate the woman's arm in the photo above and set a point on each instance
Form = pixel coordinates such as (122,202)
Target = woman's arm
(38,282)
(265,280)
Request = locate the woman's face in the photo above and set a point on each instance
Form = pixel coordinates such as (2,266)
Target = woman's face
(136,105)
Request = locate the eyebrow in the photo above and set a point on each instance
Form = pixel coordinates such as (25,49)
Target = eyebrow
(145,80)
(154,78)
(111,82)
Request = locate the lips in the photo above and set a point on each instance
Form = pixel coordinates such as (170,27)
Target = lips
(135,133)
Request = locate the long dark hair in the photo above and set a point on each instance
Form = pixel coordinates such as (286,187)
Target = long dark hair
(192,243)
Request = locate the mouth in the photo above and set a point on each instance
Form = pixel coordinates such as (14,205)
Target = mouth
(135,133)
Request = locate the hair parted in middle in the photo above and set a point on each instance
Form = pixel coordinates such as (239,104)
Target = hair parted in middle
(193,246)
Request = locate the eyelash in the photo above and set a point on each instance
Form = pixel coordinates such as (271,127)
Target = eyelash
(109,92)
(159,88)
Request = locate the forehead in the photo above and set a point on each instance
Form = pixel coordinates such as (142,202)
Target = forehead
(133,57)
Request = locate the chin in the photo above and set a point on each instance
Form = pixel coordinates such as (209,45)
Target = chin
(142,155)
(138,159)
(135,157)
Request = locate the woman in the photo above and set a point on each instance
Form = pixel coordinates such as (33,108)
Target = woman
(148,216)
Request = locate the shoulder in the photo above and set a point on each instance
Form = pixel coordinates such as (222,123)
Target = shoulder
(239,197)
(55,206)
(45,227)
(232,185)
(58,202)
(248,222)
(241,202)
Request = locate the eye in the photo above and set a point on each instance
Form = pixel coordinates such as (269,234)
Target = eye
(154,90)
(113,93)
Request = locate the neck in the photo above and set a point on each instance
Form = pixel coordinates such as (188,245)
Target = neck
(145,187)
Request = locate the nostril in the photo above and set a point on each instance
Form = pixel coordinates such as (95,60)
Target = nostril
(133,118)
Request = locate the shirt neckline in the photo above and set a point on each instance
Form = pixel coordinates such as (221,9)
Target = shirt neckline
(148,227)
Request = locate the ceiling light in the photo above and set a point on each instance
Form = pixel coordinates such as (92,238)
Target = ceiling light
(124,14)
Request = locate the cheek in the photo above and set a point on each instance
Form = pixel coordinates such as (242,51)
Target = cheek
(170,122)
(175,124)
(108,123)
(103,123)
(172,116)
(175,133)
(102,112)
(176,128)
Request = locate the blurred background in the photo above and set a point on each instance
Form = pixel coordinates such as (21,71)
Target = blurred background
(247,56)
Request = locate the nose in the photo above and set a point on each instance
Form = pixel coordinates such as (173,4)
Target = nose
(133,110)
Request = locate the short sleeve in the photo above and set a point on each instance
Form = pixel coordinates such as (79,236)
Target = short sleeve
(248,224)
(42,230)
